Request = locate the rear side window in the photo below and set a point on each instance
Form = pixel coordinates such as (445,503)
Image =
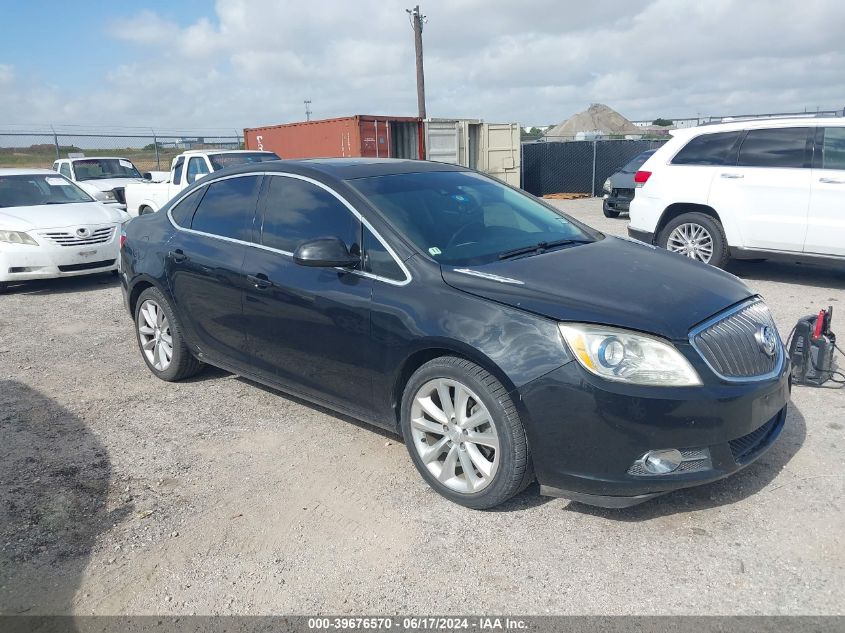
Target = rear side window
(833,149)
(708,149)
(228,207)
(377,259)
(183,212)
(296,211)
(778,147)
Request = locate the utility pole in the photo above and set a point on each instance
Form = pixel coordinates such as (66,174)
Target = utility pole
(417,20)
(307,103)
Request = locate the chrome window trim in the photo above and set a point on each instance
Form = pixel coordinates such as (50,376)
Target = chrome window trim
(362,219)
(721,316)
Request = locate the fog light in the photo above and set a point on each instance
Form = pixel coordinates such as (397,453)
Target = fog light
(663,461)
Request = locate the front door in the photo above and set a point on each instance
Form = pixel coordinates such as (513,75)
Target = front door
(308,328)
(826,220)
(205,265)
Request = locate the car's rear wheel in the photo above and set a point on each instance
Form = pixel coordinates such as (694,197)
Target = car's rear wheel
(609,213)
(144,210)
(160,338)
(697,236)
(464,434)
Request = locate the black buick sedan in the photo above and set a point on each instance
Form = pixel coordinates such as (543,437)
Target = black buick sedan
(502,339)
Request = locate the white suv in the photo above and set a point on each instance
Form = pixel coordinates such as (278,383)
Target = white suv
(754,189)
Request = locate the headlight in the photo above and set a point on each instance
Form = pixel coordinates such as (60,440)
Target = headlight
(607,186)
(625,356)
(17,237)
(107,196)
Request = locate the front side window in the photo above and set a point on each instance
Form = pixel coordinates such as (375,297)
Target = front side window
(708,149)
(775,147)
(64,170)
(296,211)
(38,189)
(177,171)
(378,260)
(197,168)
(833,148)
(462,218)
(228,207)
(102,168)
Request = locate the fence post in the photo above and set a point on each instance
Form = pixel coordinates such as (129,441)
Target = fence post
(155,144)
(593,181)
(55,142)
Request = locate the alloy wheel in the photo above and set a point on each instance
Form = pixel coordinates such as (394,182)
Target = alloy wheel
(692,240)
(454,435)
(155,335)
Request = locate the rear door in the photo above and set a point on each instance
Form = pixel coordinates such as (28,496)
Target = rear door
(205,265)
(442,141)
(826,219)
(766,194)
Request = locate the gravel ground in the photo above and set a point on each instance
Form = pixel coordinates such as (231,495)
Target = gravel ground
(121,494)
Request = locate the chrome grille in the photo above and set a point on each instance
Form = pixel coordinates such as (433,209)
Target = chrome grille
(97,236)
(728,343)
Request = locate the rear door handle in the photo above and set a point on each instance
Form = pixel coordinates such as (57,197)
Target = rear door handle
(729,175)
(260,281)
(832,181)
(178,256)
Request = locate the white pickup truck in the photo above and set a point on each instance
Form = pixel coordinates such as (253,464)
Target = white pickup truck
(102,177)
(149,197)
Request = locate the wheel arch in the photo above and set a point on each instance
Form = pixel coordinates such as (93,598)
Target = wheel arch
(679,208)
(138,286)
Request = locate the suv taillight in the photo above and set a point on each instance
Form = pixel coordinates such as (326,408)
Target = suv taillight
(641,177)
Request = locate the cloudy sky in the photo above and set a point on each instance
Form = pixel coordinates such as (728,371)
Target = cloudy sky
(241,63)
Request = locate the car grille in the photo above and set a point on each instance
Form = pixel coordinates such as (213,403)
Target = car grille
(70,268)
(97,236)
(746,447)
(728,343)
(120,194)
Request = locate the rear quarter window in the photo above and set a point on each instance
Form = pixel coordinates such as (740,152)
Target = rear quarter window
(709,149)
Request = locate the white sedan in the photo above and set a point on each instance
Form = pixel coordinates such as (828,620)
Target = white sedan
(49,228)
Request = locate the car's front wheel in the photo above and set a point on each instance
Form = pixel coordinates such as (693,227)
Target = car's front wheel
(160,338)
(464,434)
(697,236)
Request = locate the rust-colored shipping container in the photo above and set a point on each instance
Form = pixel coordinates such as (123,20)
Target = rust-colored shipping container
(359,135)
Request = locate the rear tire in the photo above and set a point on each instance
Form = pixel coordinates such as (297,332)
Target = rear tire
(697,236)
(609,213)
(472,450)
(144,210)
(160,338)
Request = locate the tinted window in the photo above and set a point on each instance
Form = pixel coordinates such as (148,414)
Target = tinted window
(782,147)
(177,171)
(196,169)
(708,149)
(378,260)
(183,212)
(64,170)
(228,207)
(296,211)
(833,149)
(637,162)
(221,161)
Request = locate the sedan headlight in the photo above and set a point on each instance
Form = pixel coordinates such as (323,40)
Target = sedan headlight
(625,356)
(607,186)
(17,237)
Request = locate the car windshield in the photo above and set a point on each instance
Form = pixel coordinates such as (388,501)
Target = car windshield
(37,189)
(635,163)
(220,161)
(462,218)
(100,168)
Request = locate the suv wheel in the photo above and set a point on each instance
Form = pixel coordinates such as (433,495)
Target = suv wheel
(697,236)
(609,213)
(463,433)
(160,338)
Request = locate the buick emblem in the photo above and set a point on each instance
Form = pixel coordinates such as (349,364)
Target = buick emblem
(83,232)
(767,339)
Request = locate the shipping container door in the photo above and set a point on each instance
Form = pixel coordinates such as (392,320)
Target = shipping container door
(442,142)
(500,151)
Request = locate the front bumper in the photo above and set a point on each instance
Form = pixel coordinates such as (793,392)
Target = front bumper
(586,434)
(643,236)
(21,262)
(617,202)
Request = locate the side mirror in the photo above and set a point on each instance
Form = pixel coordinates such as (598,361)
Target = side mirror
(147,175)
(325,252)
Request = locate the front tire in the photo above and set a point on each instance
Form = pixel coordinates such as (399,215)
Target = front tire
(464,434)
(697,236)
(160,338)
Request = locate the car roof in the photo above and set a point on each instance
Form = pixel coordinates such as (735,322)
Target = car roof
(756,124)
(346,168)
(96,158)
(227,151)
(26,171)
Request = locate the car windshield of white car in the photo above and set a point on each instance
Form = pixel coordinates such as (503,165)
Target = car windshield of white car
(30,190)
(100,168)
(219,161)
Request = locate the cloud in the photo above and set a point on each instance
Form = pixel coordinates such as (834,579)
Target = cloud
(253,62)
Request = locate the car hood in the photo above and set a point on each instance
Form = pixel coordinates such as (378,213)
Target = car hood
(107,184)
(613,281)
(622,180)
(57,216)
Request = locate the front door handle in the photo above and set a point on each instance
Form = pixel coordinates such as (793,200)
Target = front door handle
(729,175)
(260,281)
(178,256)
(832,181)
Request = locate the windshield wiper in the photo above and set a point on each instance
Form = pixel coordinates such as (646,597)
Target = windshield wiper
(539,247)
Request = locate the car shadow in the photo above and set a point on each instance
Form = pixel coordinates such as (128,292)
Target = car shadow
(749,481)
(55,477)
(828,276)
(64,285)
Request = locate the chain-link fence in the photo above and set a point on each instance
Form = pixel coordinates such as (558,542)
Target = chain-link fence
(576,166)
(153,150)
